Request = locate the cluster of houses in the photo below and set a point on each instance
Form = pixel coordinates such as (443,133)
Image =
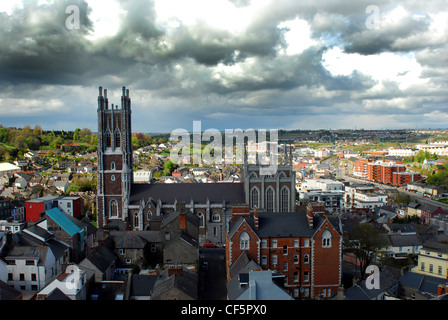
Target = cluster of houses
(55,254)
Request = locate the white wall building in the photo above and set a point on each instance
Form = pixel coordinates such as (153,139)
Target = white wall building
(72,283)
(402,152)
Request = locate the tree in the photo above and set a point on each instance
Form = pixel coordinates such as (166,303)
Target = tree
(4,135)
(169,167)
(365,241)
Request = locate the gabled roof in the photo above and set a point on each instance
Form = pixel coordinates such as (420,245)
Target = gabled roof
(422,283)
(63,221)
(198,192)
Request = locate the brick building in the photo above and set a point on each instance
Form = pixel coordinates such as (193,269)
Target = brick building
(400,179)
(304,247)
(382,172)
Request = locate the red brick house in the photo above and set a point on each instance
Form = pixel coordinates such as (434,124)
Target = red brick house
(304,247)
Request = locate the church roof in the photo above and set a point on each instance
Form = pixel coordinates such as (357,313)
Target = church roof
(198,192)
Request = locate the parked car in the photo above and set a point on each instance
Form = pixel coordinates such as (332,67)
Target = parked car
(209,245)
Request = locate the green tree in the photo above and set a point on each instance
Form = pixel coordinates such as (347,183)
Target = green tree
(4,135)
(365,241)
(169,167)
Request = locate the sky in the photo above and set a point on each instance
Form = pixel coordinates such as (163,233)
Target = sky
(261,64)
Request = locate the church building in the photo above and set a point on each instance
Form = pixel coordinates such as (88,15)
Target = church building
(123,205)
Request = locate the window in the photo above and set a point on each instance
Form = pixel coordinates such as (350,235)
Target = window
(254,197)
(326,239)
(285,250)
(285,266)
(153,247)
(296,276)
(440,270)
(10,277)
(296,259)
(431,268)
(244,241)
(121,251)
(284,200)
(201,219)
(274,259)
(112,177)
(33,277)
(306,292)
(216,217)
(112,165)
(306,276)
(29,262)
(422,266)
(117,138)
(296,292)
(264,260)
(167,236)
(269,200)
(264,243)
(306,243)
(136,220)
(296,243)
(306,258)
(108,139)
(22,277)
(113,208)
(274,243)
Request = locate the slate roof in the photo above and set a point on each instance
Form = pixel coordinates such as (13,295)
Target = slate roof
(422,283)
(187,283)
(142,285)
(404,240)
(134,239)
(101,258)
(7,292)
(198,192)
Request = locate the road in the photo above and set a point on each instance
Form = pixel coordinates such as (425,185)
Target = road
(212,283)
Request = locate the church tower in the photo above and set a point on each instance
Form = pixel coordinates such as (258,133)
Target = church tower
(114,158)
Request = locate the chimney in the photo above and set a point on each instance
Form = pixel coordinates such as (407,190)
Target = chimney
(310,216)
(180,205)
(256,221)
(240,210)
(183,220)
(175,269)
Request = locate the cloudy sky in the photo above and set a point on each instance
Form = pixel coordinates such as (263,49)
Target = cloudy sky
(284,64)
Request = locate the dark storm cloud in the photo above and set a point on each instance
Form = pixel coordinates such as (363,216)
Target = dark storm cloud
(187,68)
(37,47)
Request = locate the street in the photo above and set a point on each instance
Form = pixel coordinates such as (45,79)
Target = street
(212,282)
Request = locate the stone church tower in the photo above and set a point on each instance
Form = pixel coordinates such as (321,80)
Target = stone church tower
(114,158)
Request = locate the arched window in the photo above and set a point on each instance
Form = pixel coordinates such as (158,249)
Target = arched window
(201,219)
(112,165)
(244,241)
(216,217)
(254,198)
(306,258)
(108,139)
(117,138)
(136,220)
(269,200)
(284,200)
(326,239)
(113,209)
